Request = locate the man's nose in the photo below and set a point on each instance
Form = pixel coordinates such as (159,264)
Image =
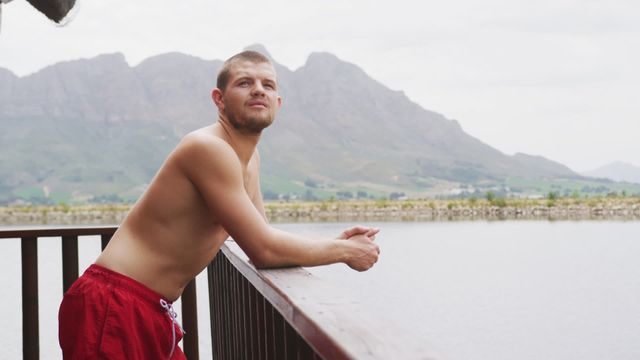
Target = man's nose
(258,89)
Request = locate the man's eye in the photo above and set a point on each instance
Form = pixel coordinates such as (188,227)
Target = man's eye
(243,83)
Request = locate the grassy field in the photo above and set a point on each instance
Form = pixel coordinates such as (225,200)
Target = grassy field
(569,187)
(276,188)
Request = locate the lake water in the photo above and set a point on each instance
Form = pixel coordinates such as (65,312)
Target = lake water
(471,290)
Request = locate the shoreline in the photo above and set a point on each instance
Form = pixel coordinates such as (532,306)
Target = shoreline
(373,210)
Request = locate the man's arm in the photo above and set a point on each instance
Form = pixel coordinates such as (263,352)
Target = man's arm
(214,168)
(257,200)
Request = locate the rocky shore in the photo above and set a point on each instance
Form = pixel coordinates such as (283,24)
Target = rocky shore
(452,210)
(380,210)
(63,215)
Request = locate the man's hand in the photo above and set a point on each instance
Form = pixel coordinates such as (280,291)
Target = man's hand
(364,252)
(359,230)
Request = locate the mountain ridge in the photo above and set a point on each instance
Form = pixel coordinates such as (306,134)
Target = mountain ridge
(100,125)
(616,171)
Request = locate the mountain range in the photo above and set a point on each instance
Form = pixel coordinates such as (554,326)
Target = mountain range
(91,127)
(616,171)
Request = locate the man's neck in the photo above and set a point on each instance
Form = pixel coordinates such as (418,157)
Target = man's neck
(244,144)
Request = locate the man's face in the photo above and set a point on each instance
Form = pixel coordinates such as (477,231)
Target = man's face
(250,99)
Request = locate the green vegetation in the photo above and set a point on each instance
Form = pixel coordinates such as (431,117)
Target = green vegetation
(513,192)
(574,187)
(30,192)
(499,202)
(382,203)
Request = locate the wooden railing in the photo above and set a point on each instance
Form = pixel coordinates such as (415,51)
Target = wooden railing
(275,314)
(246,321)
(69,237)
(291,314)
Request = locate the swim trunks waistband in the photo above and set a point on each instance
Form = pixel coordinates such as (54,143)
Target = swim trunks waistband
(126,283)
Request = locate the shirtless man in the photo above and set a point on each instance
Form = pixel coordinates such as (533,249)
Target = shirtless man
(207,190)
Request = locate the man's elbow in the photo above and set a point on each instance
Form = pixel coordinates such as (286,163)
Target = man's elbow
(259,263)
(262,259)
(269,254)
(268,260)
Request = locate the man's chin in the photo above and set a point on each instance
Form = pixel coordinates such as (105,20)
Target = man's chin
(250,124)
(255,126)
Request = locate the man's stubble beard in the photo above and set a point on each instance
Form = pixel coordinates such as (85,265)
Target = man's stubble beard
(250,125)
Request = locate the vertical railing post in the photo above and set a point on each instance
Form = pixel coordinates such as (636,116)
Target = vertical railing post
(244,323)
(213,318)
(104,239)
(69,261)
(30,330)
(214,271)
(190,321)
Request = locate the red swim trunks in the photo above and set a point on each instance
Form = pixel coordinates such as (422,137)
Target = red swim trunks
(106,315)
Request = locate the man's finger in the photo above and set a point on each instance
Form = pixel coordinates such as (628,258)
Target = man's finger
(356,230)
(372,232)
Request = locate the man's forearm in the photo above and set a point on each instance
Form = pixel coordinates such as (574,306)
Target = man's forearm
(285,249)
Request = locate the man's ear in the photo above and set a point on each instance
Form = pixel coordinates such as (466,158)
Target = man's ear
(279,102)
(216,95)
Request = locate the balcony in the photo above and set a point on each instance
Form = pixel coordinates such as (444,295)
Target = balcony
(254,314)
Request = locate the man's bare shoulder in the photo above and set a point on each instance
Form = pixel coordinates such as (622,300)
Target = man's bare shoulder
(206,150)
(205,141)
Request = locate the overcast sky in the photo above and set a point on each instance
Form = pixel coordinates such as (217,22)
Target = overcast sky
(553,78)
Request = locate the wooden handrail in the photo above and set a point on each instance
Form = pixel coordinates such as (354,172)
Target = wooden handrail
(56,231)
(334,324)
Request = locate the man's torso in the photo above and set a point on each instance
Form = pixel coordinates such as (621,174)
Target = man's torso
(170,235)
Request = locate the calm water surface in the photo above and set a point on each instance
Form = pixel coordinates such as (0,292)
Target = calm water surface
(471,290)
(506,290)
